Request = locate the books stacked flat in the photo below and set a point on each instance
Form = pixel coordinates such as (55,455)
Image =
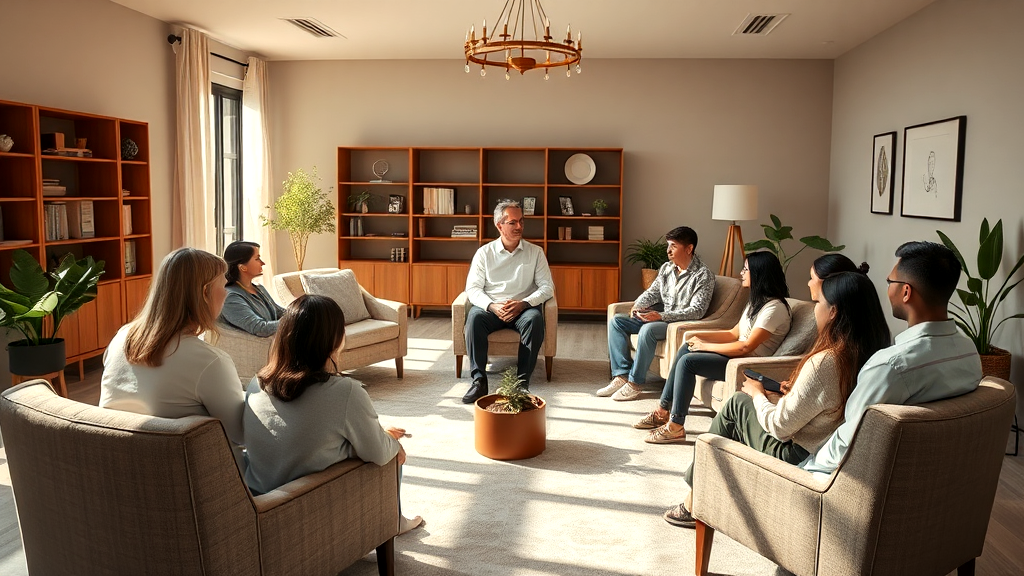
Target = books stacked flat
(399,254)
(130,265)
(81,220)
(73,152)
(438,200)
(52,187)
(595,232)
(464,231)
(55,215)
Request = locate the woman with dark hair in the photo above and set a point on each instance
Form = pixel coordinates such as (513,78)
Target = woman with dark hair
(851,327)
(831,264)
(249,306)
(300,415)
(762,327)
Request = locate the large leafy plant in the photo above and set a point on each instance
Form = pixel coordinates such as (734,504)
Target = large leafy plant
(777,233)
(648,253)
(38,294)
(976,317)
(302,210)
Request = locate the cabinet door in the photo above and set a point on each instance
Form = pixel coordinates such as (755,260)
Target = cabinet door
(600,288)
(430,285)
(88,337)
(135,292)
(391,281)
(108,312)
(364,273)
(69,332)
(456,281)
(567,286)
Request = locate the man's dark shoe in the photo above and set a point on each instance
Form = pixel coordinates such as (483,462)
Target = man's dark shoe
(679,516)
(477,391)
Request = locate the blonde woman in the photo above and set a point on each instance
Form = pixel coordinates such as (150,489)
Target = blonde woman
(157,365)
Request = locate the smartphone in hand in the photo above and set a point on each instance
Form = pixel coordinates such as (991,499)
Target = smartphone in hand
(765,381)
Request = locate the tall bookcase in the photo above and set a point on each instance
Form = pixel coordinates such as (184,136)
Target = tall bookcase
(585,272)
(109,182)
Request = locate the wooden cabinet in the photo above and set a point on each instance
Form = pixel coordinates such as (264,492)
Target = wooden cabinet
(388,280)
(94,324)
(475,179)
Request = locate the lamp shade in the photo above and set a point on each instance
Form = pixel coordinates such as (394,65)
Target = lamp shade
(734,202)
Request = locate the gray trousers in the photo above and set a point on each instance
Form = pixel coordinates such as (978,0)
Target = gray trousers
(481,323)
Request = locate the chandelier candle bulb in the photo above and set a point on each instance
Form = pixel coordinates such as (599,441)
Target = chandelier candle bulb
(522,53)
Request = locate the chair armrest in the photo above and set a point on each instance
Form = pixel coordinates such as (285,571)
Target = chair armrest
(550,326)
(381,309)
(777,368)
(619,308)
(301,486)
(460,306)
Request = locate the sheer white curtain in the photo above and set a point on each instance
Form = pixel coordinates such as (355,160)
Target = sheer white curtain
(192,212)
(257,192)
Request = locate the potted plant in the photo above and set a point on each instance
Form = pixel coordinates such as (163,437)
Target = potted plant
(600,206)
(38,294)
(650,254)
(774,235)
(976,313)
(360,202)
(510,424)
(302,210)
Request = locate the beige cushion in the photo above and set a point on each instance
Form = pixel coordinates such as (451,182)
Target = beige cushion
(369,332)
(341,286)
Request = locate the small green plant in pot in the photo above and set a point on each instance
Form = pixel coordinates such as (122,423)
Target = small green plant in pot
(360,202)
(510,424)
(776,233)
(302,210)
(600,206)
(512,397)
(650,254)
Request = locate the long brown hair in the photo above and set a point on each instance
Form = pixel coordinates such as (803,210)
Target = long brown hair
(177,304)
(312,328)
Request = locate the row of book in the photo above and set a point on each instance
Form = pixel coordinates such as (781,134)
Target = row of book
(464,231)
(53,187)
(438,200)
(71,219)
(399,254)
(130,262)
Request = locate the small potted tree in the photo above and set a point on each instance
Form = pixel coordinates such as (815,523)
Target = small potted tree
(600,206)
(36,295)
(650,254)
(510,424)
(302,210)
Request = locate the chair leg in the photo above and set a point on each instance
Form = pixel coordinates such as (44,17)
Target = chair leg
(458,366)
(399,366)
(705,537)
(549,362)
(967,568)
(386,558)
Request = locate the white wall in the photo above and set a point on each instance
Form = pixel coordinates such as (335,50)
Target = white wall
(685,125)
(954,57)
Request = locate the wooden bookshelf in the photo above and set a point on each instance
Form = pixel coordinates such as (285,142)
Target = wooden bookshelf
(102,179)
(586,272)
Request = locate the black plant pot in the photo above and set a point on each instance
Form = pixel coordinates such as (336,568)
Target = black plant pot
(28,360)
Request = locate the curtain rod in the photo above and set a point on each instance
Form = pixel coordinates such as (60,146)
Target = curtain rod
(171,39)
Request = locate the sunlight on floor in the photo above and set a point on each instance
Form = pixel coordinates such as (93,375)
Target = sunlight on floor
(423,353)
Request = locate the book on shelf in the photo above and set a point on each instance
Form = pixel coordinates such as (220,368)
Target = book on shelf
(54,190)
(595,232)
(81,219)
(130,263)
(399,254)
(126,219)
(56,220)
(72,152)
(438,200)
(464,231)
(9,243)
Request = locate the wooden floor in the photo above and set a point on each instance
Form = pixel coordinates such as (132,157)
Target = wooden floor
(1004,543)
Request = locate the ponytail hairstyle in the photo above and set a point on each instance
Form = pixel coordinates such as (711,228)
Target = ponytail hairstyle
(767,281)
(237,253)
(311,330)
(835,262)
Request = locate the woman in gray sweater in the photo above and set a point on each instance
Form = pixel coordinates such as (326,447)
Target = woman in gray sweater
(248,306)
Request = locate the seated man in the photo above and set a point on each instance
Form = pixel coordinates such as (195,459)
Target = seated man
(508,282)
(682,291)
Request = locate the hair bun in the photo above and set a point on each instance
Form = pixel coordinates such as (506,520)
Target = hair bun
(863,268)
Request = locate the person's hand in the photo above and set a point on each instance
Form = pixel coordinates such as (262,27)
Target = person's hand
(511,310)
(394,432)
(401,454)
(652,316)
(495,309)
(752,387)
(695,344)
(785,386)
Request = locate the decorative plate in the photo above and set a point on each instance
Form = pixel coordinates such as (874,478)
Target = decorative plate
(580,169)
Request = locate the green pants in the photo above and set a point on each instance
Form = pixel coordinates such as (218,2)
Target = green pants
(738,421)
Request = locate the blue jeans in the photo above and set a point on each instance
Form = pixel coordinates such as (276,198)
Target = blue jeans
(650,333)
(683,379)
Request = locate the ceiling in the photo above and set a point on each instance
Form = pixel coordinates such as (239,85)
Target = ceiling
(435,29)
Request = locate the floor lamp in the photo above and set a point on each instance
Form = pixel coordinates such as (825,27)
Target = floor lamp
(733,202)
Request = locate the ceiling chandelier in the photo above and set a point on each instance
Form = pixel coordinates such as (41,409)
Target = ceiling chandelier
(513,51)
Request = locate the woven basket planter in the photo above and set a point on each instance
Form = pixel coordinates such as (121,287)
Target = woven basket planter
(996,363)
(647,276)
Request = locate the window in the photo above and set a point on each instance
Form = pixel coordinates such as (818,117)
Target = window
(227,126)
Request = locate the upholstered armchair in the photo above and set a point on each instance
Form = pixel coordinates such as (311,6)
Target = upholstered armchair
(381,336)
(798,342)
(913,494)
(108,492)
(249,353)
(727,302)
(503,342)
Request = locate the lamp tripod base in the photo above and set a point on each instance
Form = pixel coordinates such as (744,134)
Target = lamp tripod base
(733,238)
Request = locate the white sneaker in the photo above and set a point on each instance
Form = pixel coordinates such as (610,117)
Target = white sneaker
(612,387)
(407,524)
(628,392)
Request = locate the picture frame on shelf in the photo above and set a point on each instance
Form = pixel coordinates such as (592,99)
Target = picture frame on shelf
(565,204)
(396,204)
(883,174)
(933,169)
(529,205)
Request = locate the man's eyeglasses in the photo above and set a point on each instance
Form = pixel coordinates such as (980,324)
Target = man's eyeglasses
(512,222)
(891,281)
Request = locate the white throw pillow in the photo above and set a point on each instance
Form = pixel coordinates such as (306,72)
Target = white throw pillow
(340,286)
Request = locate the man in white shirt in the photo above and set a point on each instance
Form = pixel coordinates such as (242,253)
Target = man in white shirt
(508,282)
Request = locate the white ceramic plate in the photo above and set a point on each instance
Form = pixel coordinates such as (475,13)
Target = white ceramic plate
(580,169)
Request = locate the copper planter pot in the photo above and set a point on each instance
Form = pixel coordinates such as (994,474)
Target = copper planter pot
(509,436)
(996,363)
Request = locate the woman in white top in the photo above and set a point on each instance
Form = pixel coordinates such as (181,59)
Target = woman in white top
(762,327)
(851,327)
(157,365)
(301,416)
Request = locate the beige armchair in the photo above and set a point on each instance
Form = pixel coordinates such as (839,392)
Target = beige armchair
(802,333)
(503,342)
(727,302)
(912,496)
(249,353)
(107,492)
(384,335)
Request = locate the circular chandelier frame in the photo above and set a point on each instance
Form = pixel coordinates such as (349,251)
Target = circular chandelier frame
(520,53)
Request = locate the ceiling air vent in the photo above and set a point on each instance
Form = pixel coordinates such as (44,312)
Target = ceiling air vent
(314,27)
(759,24)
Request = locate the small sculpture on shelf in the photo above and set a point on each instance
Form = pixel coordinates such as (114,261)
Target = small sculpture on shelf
(129,149)
(380,168)
(360,202)
(6,143)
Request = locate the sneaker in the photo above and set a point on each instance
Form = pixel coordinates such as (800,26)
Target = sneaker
(665,436)
(407,524)
(612,387)
(679,516)
(629,391)
(651,421)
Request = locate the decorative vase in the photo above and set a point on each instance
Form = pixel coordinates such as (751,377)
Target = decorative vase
(501,436)
(6,143)
(129,149)
(599,211)
(996,363)
(647,276)
(27,359)
(364,208)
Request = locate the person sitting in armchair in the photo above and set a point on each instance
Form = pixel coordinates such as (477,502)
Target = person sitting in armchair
(508,282)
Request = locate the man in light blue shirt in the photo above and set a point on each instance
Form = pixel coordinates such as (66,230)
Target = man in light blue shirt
(509,280)
(930,361)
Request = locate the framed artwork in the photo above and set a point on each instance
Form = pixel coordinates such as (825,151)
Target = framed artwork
(933,169)
(529,205)
(565,203)
(883,174)
(396,204)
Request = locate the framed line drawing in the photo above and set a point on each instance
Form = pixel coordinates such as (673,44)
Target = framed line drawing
(933,169)
(565,204)
(883,172)
(529,205)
